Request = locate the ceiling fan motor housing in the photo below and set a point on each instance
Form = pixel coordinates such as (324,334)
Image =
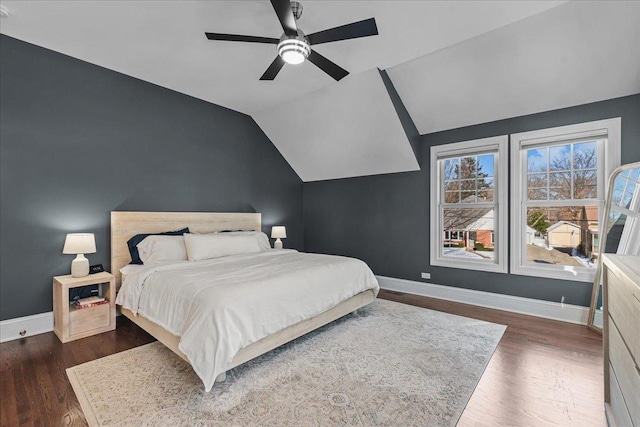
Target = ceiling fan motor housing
(296,8)
(294,50)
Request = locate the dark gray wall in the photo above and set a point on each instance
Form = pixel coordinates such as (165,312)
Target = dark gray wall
(384,219)
(78,141)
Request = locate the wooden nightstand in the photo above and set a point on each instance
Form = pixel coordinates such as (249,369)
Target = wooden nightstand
(70,323)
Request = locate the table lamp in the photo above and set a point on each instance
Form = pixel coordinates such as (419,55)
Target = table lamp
(278,232)
(79,244)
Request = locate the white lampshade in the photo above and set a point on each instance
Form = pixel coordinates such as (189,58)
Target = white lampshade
(278,232)
(79,243)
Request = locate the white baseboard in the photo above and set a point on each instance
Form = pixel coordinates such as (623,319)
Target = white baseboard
(43,322)
(533,307)
(33,325)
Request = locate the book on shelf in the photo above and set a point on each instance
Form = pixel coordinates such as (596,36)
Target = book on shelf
(90,302)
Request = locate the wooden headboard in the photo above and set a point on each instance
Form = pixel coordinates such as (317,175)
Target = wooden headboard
(125,225)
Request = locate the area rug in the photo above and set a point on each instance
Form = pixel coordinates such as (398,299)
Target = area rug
(386,364)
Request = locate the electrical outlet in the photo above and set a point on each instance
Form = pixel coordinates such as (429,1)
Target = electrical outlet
(426,275)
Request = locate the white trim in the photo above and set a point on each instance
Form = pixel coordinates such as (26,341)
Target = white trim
(532,307)
(34,325)
(629,243)
(609,129)
(499,145)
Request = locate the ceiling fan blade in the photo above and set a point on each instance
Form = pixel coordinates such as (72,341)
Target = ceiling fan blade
(327,66)
(349,31)
(273,69)
(239,38)
(285,15)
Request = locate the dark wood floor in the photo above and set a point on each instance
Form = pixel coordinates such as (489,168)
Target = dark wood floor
(543,373)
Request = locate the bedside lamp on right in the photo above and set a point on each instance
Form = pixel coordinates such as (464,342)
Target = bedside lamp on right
(278,232)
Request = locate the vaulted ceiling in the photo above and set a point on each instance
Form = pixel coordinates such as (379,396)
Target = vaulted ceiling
(454,63)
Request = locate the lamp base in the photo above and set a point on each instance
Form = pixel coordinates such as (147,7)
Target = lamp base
(277,244)
(80,266)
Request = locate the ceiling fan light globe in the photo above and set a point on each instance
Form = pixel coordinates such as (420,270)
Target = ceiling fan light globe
(293,57)
(294,50)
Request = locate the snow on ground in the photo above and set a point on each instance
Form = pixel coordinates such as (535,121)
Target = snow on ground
(583,260)
(586,262)
(463,253)
(539,241)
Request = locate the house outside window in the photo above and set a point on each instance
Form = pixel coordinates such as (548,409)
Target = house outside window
(558,184)
(469,204)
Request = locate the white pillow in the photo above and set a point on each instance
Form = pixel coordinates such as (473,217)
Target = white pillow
(156,249)
(263,240)
(216,245)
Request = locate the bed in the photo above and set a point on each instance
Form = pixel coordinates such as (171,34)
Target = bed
(332,287)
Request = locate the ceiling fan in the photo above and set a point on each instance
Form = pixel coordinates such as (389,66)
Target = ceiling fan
(294,46)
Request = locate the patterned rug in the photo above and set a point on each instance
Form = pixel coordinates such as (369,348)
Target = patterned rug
(387,364)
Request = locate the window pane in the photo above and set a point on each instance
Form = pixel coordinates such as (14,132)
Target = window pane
(565,235)
(537,180)
(615,217)
(585,184)
(538,194)
(468,193)
(468,184)
(470,231)
(585,155)
(619,186)
(468,197)
(468,168)
(537,160)
(451,169)
(560,158)
(628,195)
(559,185)
(561,179)
(485,165)
(452,197)
(485,190)
(451,185)
(618,191)
(537,186)
(624,189)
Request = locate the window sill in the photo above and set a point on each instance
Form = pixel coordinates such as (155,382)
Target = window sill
(469,265)
(556,273)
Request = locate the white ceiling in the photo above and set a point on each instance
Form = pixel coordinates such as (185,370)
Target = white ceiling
(163,41)
(453,63)
(576,53)
(353,130)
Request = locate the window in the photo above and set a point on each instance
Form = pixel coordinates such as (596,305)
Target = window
(558,179)
(625,213)
(468,204)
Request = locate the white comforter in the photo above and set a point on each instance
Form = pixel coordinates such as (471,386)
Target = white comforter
(221,305)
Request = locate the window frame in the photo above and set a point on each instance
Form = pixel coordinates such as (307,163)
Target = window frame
(607,133)
(629,244)
(499,146)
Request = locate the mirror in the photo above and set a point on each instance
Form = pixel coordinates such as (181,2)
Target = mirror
(620,231)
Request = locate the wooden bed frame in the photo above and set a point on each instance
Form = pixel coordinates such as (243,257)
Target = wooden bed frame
(125,225)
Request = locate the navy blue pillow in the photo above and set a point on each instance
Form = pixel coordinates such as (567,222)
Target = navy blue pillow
(132,243)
